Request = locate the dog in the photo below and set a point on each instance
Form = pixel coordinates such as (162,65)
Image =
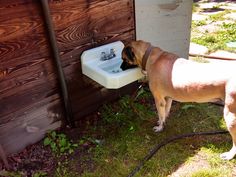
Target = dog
(173,78)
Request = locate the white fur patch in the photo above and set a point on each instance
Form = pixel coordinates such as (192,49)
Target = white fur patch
(158,128)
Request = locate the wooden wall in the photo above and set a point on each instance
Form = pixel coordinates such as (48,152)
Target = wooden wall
(30,100)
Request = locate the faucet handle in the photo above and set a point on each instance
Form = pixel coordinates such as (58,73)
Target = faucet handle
(112,53)
(103,56)
(108,55)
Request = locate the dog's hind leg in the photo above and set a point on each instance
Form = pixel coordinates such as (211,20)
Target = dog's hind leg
(161,108)
(230,117)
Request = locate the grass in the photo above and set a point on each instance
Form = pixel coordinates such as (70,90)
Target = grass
(218,16)
(19,174)
(198,23)
(199,59)
(216,40)
(213,172)
(195,7)
(216,167)
(128,137)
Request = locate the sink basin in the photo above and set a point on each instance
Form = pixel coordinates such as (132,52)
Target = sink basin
(107,72)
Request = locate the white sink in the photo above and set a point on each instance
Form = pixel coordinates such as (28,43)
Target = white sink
(108,72)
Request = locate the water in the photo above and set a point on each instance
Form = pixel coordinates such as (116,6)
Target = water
(112,67)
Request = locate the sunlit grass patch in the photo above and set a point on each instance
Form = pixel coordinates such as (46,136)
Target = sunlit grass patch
(195,7)
(217,40)
(211,172)
(216,166)
(206,160)
(199,59)
(196,23)
(218,16)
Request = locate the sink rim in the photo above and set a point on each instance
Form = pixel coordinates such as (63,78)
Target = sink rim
(106,73)
(93,67)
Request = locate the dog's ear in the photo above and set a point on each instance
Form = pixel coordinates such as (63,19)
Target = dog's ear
(129,53)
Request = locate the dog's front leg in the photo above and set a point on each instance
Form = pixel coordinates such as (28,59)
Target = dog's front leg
(161,108)
(168,105)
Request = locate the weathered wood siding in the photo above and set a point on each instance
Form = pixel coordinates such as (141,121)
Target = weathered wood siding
(30,101)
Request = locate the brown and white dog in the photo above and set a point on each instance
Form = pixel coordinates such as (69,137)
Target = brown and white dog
(173,78)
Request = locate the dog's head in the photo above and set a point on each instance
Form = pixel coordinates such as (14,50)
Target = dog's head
(132,54)
(128,58)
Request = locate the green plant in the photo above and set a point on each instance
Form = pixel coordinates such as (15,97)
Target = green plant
(198,23)
(216,7)
(195,7)
(188,106)
(11,173)
(200,59)
(217,40)
(40,174)
(63,170)
(207,173)
(59,143)
(219,16)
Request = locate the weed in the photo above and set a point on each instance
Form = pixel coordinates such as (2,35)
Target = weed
(10,174)
(195,7)
(199,59)
(198,23)
(217,41)
(188,106)
(215,165)
(40,174)
(216,7)
(211,172)
(59,143)
(21,174)
(63,170)
(218,16)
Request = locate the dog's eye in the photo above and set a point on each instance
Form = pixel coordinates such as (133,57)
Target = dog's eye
(129,53)
(129,62)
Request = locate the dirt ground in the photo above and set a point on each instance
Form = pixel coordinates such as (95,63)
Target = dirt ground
(37,160)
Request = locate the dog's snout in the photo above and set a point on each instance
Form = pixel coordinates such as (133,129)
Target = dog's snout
(125,66)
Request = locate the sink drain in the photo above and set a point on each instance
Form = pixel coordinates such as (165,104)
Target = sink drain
(116,71)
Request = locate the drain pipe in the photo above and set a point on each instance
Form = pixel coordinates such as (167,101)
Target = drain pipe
(52,39)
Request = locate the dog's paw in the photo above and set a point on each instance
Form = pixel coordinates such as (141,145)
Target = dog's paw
(158,128)
(227,155)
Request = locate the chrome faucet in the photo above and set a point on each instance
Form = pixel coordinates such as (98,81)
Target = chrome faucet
(108,56)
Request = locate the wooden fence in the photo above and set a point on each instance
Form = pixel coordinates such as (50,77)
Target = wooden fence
(30,100)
